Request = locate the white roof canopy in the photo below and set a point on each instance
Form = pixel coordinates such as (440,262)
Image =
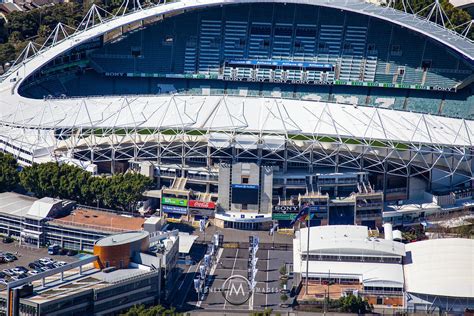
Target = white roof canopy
(443,267)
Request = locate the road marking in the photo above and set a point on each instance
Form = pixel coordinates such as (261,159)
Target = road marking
(187,290)
(267,284)
(184,279)
(213,269)
(232,273)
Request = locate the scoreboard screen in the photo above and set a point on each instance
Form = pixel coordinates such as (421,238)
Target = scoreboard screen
(245,194)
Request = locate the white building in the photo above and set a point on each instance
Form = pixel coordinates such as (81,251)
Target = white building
(345,259)
(439,275)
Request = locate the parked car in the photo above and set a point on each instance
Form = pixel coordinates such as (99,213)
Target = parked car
(9,272)
(50,266)
(34,265)
(7,240)
(22,268)
(63,252)
(10,255)
(71,253)
(53,250)
(3,275)
(45,260)
(33,272)
(3,282)
(19,271)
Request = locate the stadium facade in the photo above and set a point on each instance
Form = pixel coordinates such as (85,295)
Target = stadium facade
(331,99)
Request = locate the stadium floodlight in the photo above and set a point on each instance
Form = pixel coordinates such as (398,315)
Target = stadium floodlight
(95,15)
(123,9)
(405,4)
(57,34)
(29,51)
(437,13)
(466,27)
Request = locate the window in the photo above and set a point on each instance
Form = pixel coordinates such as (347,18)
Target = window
(136,51)
(426,64)
(168,40)
(371,49)
(347,47)
(401,71)
(245,180)
(396,50)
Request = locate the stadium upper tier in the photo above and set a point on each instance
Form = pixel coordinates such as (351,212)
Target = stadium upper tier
(322,52)
(289,50)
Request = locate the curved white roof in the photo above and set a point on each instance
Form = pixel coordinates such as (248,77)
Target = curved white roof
(442,267)
(122,238)
(347,240)
(238,114)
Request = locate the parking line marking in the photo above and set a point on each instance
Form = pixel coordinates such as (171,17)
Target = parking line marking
(187,290)
(232,273)
(267,286)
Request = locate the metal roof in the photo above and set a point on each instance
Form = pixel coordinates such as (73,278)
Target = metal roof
(440,267)
(122,238)
(347,240)
(14,204)
(257,117)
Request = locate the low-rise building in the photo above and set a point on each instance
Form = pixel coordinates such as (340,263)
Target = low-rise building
(123,272)
(342,259)
(81,228)
(439,276)
(47,221)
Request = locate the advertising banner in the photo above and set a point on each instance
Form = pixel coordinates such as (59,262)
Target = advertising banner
(174,201)
(174,209)
(201,204)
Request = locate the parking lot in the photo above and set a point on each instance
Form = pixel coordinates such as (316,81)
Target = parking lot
(26,255)
(233,262)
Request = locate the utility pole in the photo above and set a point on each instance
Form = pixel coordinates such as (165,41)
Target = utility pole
(308,226)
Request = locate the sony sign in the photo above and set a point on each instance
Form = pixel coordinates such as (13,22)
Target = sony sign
(286,208)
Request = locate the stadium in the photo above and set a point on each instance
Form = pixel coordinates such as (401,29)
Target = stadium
(318,92)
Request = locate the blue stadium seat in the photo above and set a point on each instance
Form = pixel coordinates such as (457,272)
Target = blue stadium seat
(424,101)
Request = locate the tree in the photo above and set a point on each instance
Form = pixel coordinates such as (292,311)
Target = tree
(120,191)
(354,304)
(455,15)
(8,172)
(7,54)
(283,270)
(157,310)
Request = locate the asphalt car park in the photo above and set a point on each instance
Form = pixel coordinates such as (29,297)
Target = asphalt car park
(27,261)
(232,262)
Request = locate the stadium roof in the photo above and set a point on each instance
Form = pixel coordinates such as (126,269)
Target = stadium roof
(219,115)
(440,267)
(347,239)
(436,32)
